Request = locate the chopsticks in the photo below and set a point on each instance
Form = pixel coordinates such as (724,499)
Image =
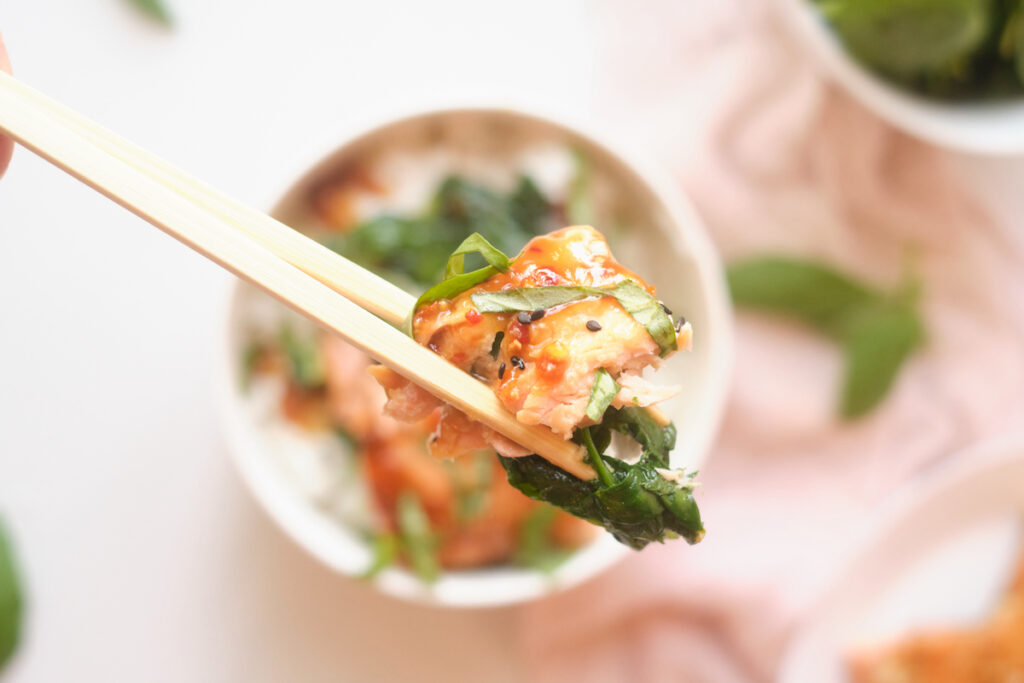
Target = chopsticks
(286,264)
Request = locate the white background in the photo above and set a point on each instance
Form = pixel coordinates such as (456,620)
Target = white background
(144,557)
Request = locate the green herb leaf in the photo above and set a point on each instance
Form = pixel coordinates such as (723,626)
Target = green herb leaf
(877,346)
(579,206)
(418,539)
(305,363)
(810,292)
(634,502)
(602,393)
(644,308)
(10,601)
(475,244)
(154,9)
(496,344)
(250,357)
(536,550)
(456,282)
(878,331)
(532,298)
(385,551)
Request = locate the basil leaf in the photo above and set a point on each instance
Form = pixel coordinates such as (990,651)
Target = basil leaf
(10,601)
(532,298)
(156,10)
(456,282)
(812,293)
(475,244)
(876,347)
(647,311)
(418,540)
(878,330)
(385,552)
(644,308)
(602,393)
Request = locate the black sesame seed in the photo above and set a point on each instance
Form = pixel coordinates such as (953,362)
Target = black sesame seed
(501,371)
(680,323)
(538,314)
(524,318)
(668,311)
(518,362)
(593,325)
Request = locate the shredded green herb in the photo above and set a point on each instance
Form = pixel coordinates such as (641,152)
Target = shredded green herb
(418,540)
(536,549)
(633,298)
(305,362)
(385,548)
(602,393)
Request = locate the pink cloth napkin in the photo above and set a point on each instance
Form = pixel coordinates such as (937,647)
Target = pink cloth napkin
(777,159)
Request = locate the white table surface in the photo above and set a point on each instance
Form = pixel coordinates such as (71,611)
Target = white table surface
(144,557)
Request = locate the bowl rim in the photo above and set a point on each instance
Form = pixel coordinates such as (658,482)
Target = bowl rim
(990,455)
(527,585)
(957,126)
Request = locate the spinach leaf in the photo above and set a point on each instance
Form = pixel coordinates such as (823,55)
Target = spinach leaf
(636,301)
(155,10)
(877,330)
(305,362)
(602,393)
(634,502)
(418,540)
(10,601)
(536,549)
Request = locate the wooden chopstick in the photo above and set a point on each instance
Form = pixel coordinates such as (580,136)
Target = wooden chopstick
(357,284)
(247,243)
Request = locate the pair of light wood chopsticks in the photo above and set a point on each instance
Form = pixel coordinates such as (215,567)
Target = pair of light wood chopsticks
(298,271)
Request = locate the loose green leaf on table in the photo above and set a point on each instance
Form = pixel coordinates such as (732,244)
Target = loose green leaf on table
(877,330)
(154,9)
(876,347)
(10,600)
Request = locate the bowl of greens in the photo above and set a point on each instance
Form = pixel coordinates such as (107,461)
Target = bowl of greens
(948,71)
(303,415)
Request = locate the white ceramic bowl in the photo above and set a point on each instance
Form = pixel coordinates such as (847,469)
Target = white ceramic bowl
(991,128)
(667,244)
(941,555)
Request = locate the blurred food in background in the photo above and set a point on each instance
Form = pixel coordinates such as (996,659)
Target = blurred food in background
(992,652)
(945,49)
(402,216)
(10,601)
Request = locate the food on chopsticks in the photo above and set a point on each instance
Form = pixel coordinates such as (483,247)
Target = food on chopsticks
(947,49)
(991,651)
(402,215)
(562,333)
